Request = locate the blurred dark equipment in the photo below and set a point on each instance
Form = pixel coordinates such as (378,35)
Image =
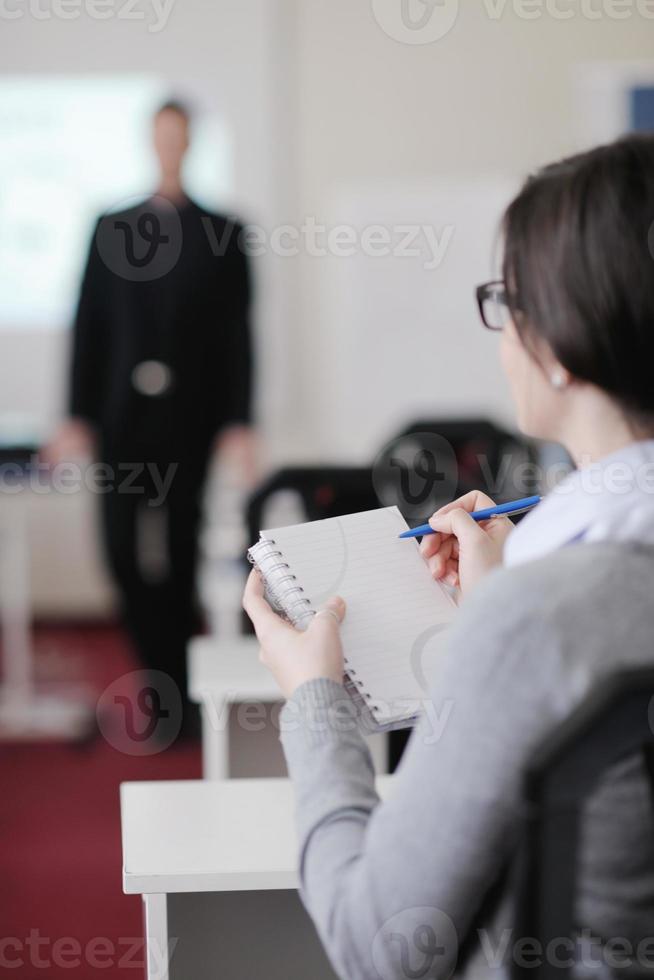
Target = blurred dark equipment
(484,457)
(464,455)
(18,457)
(614,724)
(325,491)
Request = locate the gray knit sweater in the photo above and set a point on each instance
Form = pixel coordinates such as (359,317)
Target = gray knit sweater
(413,887)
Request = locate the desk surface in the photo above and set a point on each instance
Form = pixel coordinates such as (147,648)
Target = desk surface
(202,836)
(228,669)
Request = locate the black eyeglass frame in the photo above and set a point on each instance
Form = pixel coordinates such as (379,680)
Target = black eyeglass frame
(495,289)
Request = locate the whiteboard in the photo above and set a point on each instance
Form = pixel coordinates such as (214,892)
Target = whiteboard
(70,148)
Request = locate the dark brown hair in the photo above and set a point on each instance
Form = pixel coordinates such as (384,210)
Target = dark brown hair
(579,267)
(175,105)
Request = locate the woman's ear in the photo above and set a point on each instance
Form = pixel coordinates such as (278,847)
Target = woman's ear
(558,376)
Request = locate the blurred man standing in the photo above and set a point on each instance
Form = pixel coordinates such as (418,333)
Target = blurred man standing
(161,373)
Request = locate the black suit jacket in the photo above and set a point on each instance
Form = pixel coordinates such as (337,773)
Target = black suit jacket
(171,285)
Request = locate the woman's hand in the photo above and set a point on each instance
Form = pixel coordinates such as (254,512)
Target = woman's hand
(463,550)
(295,656)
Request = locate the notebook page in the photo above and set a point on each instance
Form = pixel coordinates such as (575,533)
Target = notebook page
(394,607)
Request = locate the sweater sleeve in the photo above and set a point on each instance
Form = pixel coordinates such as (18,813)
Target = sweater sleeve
(397,885)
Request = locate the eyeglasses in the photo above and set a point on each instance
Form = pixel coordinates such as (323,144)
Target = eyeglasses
(492,299)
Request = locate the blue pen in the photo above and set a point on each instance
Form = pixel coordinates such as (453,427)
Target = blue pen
(513,507)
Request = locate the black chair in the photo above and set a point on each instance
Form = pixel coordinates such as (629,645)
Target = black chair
(480,448)
(470,454)
(20,456)
(615,722)
(325,491)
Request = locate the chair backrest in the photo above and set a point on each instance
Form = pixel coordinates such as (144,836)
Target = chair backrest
(614,722)
(482,456)
(482,451)
(325,491)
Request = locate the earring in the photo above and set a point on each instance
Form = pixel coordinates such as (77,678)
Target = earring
(558,380)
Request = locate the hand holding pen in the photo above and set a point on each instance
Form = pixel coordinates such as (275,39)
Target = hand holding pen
(459,549)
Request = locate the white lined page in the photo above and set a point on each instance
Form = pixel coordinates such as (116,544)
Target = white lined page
(394,607)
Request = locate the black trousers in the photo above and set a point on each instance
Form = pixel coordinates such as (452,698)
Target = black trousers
(151,522)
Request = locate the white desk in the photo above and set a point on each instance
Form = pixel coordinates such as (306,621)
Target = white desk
(216,863)
(26,712)
(227,673)
(224,674)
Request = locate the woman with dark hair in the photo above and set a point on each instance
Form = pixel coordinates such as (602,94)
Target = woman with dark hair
(426,870)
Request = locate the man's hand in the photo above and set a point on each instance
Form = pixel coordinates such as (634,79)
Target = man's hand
(295,656)
(73,440)
(238,445)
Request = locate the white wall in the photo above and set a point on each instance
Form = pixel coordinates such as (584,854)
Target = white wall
(490,100)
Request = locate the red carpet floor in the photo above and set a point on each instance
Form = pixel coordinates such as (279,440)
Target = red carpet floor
(62,911)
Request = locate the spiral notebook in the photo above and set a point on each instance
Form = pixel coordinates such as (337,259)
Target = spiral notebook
(397,615)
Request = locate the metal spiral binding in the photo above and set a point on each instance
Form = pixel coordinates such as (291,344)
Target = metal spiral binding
(266,557)
(289,599)
(352,678)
